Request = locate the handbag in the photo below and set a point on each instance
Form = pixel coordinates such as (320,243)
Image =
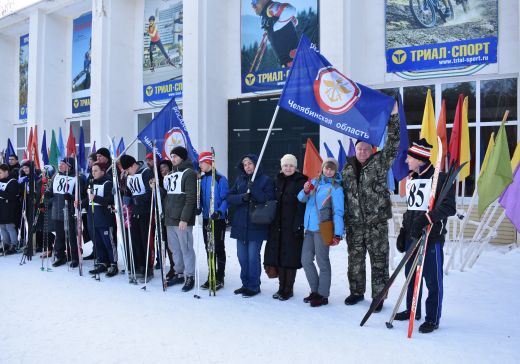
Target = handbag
(327,226)
(272,272)
(263,213)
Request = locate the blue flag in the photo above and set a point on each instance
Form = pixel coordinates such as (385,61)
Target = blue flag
(400,168)
(45,153)
(342,156)
(9,151)
(61,146)
(351,149)
(168,130)
(120,147)
(82,161)
(317,91)
(327,149)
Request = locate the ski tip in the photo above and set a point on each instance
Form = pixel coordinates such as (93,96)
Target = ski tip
(389,325)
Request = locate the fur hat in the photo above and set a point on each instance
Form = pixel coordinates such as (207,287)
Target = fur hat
(127,161)
(420,150)
(181,152)
(289,159)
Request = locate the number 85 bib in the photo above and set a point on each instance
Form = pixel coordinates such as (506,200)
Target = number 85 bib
(418,194)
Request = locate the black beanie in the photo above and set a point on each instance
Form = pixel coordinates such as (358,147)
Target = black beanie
(69,161)
(181,152)
(104,152)
(127,161)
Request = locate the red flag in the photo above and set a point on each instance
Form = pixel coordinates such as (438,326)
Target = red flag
(441,132)
(312,161)
(456,133)
(29,145)
(71,144)
(34,148)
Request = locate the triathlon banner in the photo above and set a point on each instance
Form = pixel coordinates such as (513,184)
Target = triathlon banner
(162,50)
(442,34)
(270,32)
(81,46)
(23,77)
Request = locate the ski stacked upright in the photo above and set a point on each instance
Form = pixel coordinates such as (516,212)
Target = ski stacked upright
(159,238)
(79,221)
(212,278)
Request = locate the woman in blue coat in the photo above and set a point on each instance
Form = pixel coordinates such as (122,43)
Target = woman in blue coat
(249,236)
(324,199)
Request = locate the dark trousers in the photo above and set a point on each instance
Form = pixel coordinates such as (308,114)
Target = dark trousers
(139,226)
(433,276)
(60,244)
(106,251)
(220,250)
(286,278)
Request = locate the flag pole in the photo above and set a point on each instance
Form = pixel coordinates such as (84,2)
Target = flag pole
(116,158)
(265,142)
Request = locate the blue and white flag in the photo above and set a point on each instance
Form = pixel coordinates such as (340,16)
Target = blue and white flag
(342,155)
(61,146)
(168,130)
(320,93)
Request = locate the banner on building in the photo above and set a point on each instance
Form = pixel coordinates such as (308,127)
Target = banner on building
(23,77)
(81,47)
(270,32)
(162,50)
(424,35)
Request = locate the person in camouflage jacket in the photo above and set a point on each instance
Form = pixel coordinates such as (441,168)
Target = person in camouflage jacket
(367,210)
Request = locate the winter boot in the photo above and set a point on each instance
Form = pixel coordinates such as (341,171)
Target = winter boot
(405,316)
(379,307)
(284,296)
(112,271)
(249,293)
(188,285)
(428,327)
(205,285)
(100,268)
(310,297)
(59,262)
(240,290)
(176,279)
(74,264)
(170,273)
(219,285)
(277,294)
(353,299)
(319,300)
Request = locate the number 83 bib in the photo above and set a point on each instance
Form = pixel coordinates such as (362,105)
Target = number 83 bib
(418,194)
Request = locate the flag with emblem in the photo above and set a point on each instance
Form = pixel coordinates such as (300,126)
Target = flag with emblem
(168,130)
(317,91)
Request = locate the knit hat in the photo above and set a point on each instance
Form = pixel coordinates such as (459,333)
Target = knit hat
(181,152)
(289,159)
(206,157)
(127,161)
(69,161)
(25,163)
(420,150)
(328,161)
(104,152)
(149,155)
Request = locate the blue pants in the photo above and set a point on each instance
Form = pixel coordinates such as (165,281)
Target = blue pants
(248,253)
(105,246)
(432,275)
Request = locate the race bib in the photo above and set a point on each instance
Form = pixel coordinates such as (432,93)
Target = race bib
(418,194)
(172,183)
(63,185)
(136,185)
(98,190)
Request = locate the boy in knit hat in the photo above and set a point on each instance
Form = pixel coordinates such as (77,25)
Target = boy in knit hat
(138,188)
(218,216)
(415,220)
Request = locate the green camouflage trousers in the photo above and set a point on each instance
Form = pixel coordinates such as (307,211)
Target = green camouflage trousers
(374,239)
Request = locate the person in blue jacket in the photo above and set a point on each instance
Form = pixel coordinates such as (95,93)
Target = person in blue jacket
(249,236)
(324,198)
(218,216)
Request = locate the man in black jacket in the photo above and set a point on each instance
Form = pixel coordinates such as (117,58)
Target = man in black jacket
(415,220)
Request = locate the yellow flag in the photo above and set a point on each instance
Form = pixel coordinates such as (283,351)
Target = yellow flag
(464,141)
(428,128)
(516,157)
(490,146)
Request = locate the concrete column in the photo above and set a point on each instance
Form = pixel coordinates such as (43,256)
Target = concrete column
(9,89)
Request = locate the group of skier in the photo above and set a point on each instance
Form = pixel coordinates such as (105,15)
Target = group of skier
(154,206)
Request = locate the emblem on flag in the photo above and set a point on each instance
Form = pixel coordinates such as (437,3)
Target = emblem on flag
(173,138)
(334,92)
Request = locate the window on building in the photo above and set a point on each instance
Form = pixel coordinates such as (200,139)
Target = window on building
(142,121)
(413,102)
(76,125)
(21,141)
(497,96)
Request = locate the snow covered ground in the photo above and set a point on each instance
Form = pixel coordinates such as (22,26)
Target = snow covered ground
(59,317)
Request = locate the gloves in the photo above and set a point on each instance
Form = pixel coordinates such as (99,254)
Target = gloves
(22,179)
(250,185)
(335,241)
(246,197)
(419,223)
(268,22)
(308,187)
(67,196)
(400,242)
(215,215)
(198,211)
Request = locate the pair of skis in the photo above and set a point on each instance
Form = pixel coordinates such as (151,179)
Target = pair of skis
(212,278)
(419,245)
